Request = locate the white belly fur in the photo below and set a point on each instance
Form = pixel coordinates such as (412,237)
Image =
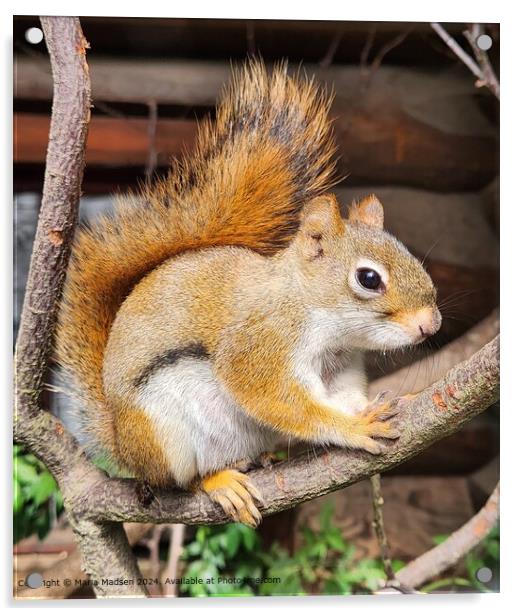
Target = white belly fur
(198,424)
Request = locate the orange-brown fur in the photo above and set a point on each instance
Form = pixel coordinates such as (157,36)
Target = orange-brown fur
(136,444)
(269,150)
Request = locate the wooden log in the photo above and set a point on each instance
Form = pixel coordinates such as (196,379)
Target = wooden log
(453,228)
(113,142)
(403,126)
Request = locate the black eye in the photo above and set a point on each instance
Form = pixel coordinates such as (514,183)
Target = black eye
(368,278)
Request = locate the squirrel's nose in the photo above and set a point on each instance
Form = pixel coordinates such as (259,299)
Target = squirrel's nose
(430,323)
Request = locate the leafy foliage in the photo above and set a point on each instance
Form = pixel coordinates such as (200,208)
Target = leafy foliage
(217,557)
(36,497)
(228,560)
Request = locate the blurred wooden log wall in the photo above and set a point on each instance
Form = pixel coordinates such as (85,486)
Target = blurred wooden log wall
(411,127)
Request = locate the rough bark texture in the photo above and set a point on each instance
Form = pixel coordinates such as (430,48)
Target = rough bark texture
(448,553)
(467,390)
(59,211)
(71,567)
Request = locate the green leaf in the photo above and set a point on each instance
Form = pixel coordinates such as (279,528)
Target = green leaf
(249,537)
(25,472)
(44,488)
(233,541)
(336,541)
(193,549)
(326,514)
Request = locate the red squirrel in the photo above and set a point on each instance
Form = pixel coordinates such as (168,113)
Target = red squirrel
(229,304)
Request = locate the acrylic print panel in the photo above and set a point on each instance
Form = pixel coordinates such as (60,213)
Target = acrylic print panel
(231,380)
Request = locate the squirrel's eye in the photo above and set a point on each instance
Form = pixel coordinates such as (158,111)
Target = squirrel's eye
(369,278)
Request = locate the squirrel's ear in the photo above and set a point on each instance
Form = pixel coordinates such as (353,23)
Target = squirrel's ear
(368,211)
(320,222)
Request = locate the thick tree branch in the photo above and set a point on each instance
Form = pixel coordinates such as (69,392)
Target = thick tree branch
(442,409)
(70,567)
(59,210)
(448,553)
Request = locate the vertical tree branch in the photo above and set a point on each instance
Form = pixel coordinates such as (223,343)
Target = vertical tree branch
(59,210)
(105,549)
(378,525)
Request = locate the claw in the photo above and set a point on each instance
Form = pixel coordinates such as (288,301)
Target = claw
(236,494)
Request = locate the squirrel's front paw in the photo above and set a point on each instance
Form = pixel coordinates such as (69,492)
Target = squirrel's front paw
(236,495)
(374,422)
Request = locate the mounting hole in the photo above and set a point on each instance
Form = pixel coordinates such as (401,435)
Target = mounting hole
(484,42)
(34,580)
(484,575)
(34,36)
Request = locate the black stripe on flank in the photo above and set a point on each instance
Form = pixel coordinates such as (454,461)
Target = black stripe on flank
(169,358)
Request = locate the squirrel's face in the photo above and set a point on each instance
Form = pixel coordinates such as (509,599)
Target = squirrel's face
(368,286)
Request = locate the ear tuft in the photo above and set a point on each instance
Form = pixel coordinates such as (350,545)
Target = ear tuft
(368,211)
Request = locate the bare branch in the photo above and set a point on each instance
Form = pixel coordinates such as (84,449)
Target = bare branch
(104,546)
(378,525)
(70,567)
(482,70)
(457,49)
(59,210)
(442,409)
(177,534)
(331,50)
(489,76)
(448,553)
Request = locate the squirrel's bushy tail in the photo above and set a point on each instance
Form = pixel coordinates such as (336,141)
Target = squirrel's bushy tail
(269,150)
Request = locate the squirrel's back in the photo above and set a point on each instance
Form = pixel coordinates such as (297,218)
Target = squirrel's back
(269,150)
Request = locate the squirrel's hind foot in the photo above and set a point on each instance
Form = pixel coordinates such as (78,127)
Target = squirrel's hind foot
(236,494)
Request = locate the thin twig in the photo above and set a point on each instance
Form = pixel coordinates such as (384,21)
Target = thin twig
(457,49)
(367,72)
(152,131)
(482,69)
(177,534)
(489,78)
(331,50)
(378,526)
(389,46)
(364,56)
